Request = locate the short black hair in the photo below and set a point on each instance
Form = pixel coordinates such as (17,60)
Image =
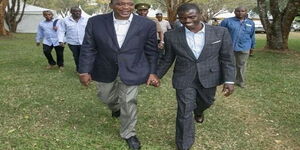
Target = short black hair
(112,1)
(188,6)
(74,8)
(240,7)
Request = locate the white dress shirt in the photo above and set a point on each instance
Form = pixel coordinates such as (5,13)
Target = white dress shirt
(165,25)
(72,31)
(196,41)
(121,28)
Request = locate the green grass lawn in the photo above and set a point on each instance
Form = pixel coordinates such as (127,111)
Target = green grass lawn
(48,109)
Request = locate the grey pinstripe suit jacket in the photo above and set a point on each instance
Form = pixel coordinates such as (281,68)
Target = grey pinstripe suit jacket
(214,66)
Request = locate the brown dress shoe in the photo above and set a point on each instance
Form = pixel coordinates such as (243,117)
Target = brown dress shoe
(50,67)
(199,118)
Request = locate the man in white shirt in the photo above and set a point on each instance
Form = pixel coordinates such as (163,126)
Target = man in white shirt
(72,29)
(165,26)
(47,34)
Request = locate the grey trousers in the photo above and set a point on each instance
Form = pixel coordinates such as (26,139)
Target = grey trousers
(241,58)
(119,96)
(190,100)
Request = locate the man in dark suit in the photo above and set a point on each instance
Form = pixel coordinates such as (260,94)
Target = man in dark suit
(204,60)
(119,52)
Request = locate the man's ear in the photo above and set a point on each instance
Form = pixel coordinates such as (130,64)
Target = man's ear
(110,5)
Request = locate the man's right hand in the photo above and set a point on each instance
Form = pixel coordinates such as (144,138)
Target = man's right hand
(85,79)
(61,44)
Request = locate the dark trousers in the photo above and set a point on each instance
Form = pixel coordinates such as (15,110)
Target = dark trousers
(193,99)
(76,53)
(59,55)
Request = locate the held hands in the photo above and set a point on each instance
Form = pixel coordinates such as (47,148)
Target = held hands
(228,89)
(153,80)
(85,79)
(160,45)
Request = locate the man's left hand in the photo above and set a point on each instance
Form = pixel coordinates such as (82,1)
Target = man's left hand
(228,89)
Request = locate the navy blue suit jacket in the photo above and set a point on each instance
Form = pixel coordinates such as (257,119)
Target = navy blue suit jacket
(102,57)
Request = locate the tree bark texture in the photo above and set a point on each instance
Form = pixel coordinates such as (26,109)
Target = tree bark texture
(172,6)
(3,4)
(14,14)
(277,29)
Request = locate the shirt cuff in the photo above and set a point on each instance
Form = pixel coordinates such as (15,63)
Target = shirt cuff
(83,73)
(229,82)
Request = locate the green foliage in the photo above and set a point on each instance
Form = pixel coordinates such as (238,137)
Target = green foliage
(48,109)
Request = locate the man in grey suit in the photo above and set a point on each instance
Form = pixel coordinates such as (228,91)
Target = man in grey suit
(204,59)
(119,52)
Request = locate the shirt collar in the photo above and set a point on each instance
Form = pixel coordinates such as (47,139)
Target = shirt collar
(129,19)
(52,20)
(201,31)
(71,18)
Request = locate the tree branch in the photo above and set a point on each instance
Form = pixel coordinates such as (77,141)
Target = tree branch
(22,13)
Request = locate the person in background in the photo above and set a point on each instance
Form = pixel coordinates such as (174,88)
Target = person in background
(215,22)
(119,52)
(165,26)
(72,30)
(142,9)
(46,32)
(176,24)
(242,31)
(204,59)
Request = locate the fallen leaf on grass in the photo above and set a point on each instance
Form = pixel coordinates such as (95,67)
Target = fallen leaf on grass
(11,131)
(278,141)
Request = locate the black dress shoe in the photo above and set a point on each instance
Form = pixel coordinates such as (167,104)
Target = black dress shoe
(133,143)
(116,114)
(199,118)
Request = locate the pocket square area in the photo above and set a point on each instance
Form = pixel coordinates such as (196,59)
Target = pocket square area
(216,42)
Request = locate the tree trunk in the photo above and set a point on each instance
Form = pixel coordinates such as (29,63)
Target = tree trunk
(279,28)
(3,4)
(14,14)
(172,6)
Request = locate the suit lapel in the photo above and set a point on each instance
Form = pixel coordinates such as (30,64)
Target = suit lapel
(182,37)
(132,29)
(209,38)
(111,29)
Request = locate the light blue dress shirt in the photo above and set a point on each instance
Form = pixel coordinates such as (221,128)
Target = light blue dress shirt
(72,31)
(242,33)
(46,33)
(196,41)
